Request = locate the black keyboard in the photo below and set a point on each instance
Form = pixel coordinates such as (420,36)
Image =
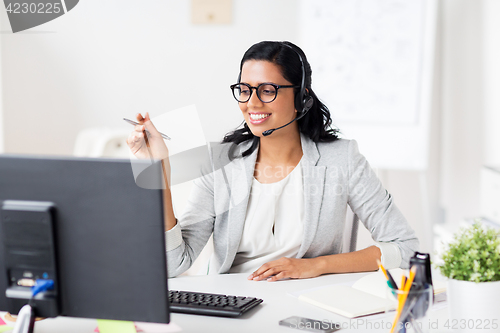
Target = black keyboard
(210,304)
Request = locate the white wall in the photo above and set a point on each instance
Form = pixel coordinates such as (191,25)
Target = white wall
(491,72)
(462,107)
(465,118)
(108,59)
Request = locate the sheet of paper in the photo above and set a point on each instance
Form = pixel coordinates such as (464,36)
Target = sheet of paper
(116,326)
(305,291)
(347,301)
(4,328)
(376,283)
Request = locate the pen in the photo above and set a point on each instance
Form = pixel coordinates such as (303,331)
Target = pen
(166,137)
(390,280)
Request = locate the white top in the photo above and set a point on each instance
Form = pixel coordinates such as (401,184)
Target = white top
(273,224)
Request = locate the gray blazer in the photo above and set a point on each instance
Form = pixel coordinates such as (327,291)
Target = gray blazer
(335,175)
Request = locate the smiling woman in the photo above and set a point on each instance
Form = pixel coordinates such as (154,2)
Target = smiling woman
(277,209)
(258,109)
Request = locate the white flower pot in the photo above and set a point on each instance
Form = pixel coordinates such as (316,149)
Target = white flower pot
(474,306)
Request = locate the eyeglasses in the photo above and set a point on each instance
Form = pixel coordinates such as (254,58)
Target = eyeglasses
(266,92)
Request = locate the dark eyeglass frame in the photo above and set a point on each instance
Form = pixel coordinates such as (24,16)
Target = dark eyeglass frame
(276,86)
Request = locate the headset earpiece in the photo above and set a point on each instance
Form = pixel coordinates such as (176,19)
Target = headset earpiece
(308,103)
(303,105)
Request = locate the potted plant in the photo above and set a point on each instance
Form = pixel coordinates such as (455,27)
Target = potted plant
(472,264)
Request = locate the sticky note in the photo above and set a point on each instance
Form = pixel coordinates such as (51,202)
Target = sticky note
(4,328)
(116,326)
(2,322)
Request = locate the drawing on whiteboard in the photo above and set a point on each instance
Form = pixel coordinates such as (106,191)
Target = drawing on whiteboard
(366,58)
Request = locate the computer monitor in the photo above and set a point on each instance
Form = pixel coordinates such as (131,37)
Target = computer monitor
(108,234)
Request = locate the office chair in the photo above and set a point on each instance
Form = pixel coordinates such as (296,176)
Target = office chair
(350,238)
(102,142)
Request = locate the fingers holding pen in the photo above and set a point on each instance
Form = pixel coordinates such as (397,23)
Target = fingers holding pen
(150,128)
(145,128)
(140,118)
(135,140)
(145,141)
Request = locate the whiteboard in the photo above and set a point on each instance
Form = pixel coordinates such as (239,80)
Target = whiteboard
(372,63)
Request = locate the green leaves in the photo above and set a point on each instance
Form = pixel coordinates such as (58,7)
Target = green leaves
(474,255)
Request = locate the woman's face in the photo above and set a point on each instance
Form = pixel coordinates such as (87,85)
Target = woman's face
(261,116)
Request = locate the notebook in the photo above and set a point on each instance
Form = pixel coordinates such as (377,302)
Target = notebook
(368,295)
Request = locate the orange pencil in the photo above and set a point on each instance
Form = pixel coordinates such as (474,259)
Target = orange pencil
(382,269)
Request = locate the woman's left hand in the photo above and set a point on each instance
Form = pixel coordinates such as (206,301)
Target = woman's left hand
(287,268)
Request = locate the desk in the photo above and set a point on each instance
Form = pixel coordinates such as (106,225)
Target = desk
(278,304)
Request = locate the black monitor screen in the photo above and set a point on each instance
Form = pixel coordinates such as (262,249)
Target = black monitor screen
(109,235)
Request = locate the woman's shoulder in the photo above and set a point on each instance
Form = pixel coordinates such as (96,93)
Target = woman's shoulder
(337,151)
(223,154)
(338,146)
(227,151)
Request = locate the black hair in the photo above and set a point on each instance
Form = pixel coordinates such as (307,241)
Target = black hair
(316,124)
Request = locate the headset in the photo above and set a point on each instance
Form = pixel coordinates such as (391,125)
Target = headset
(303,101)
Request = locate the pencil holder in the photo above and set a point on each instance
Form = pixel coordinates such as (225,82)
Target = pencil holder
(410,309)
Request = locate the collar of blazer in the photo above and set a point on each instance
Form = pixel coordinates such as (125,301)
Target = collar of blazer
(309,149)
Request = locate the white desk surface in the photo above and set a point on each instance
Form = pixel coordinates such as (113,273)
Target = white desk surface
(278,304)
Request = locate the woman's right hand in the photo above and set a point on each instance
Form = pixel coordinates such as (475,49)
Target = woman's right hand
(137,142)
(157,147)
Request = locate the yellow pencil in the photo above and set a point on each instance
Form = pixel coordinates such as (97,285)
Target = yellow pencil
(382,269)
(403,297)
